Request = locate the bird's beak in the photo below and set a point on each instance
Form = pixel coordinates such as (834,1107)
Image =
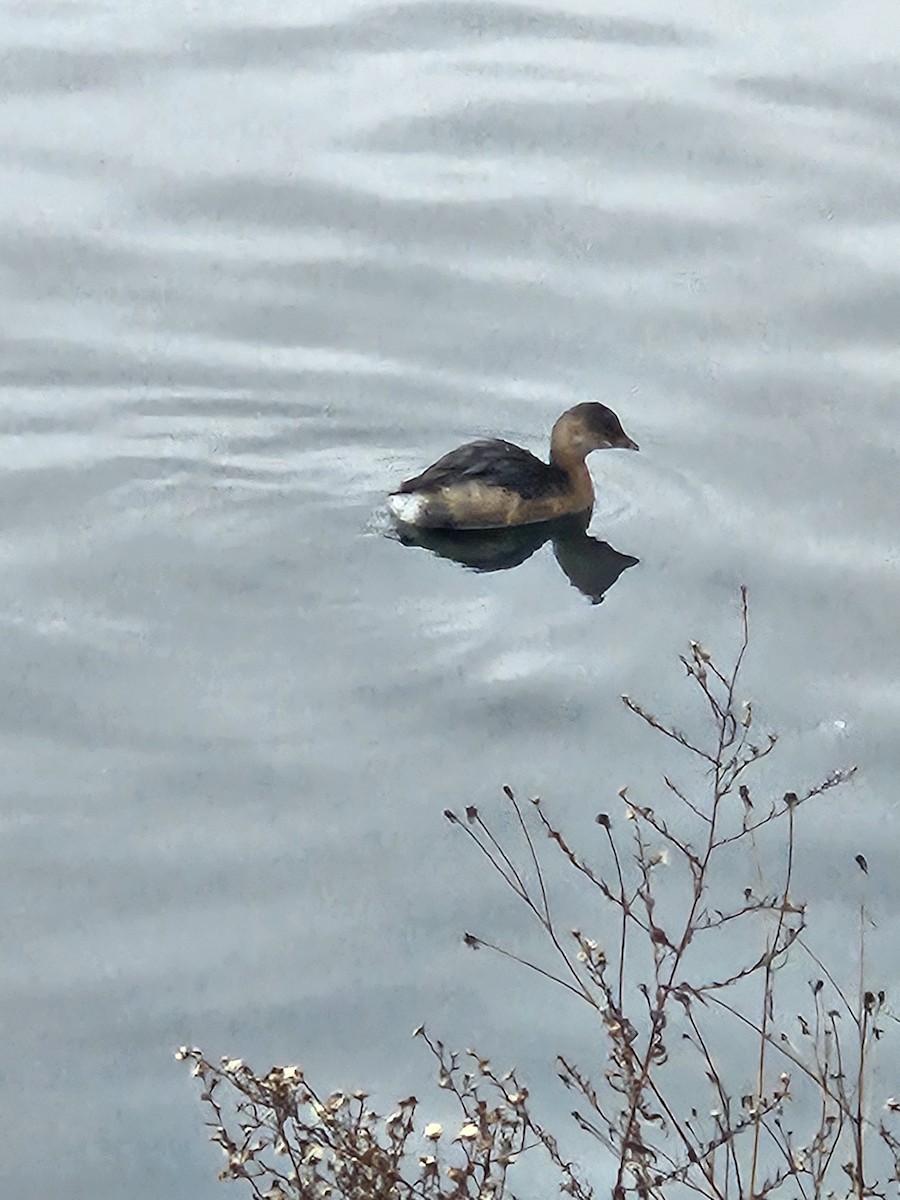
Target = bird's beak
(629,444)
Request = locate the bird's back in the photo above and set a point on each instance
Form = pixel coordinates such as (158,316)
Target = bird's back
(491,462)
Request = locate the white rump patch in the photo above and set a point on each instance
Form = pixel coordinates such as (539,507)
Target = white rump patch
(408,507)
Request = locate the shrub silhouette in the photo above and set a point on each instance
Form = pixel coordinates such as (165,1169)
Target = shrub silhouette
(811,1126)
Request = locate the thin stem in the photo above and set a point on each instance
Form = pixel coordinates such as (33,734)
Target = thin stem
(862,1033)
(771,952)
(580,992)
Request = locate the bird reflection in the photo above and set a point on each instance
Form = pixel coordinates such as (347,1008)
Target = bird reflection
(590,565)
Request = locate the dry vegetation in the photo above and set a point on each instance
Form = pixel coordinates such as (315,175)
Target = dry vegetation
(660,1101)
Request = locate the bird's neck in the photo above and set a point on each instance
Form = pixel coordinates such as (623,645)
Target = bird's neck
(576,468)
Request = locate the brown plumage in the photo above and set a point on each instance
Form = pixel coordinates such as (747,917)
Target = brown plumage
(492,483)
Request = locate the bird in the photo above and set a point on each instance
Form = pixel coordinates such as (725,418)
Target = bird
(494,484)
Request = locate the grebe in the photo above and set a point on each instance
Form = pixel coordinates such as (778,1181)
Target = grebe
(490,484)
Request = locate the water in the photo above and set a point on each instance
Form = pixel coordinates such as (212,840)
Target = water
(257,267)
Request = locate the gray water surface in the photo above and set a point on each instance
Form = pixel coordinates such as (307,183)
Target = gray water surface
(259,265)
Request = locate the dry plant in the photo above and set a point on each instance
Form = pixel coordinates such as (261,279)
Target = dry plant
(290,1143)
(657,1102)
